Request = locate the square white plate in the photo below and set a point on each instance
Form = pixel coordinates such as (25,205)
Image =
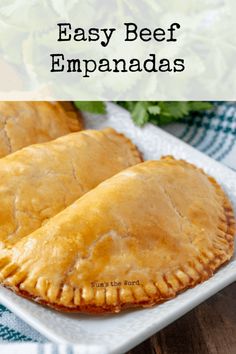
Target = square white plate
(118,333)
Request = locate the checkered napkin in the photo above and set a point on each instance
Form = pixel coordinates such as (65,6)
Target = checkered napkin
(213,133)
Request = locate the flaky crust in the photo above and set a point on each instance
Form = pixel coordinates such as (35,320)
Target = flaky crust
(163,225)
(39,181)
(26,123)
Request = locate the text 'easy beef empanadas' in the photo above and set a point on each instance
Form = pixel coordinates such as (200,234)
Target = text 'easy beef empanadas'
(26,123)
(135,240)
(40,180)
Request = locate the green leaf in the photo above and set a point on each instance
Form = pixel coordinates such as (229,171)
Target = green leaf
(156,112)
(96,107)
(139,113)
(154,109)
(200,105)
(162,112)
(176,110)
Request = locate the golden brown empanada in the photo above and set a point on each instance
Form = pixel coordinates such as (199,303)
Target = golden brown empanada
(40,180)
(75,119)
(26,123)
(135,240)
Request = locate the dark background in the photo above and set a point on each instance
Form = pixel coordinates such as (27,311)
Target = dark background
(208,329)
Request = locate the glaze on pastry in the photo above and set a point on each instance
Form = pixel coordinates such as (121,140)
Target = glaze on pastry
(137,239)
(26,123)
(40,180)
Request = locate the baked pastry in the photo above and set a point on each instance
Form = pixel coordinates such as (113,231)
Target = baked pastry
(26,123)
(74,117)
(40,180)
(137,239)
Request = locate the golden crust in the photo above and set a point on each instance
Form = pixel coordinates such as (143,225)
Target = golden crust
(40,180)
(135,226)
(26,123)
(74,117)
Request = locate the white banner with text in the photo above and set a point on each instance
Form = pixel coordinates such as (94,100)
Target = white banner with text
(118,50)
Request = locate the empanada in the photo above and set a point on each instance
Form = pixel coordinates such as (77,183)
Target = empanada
(40,180)
(26,123)
(135,240)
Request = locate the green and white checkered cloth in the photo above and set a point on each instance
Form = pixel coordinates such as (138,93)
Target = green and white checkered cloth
(214,133)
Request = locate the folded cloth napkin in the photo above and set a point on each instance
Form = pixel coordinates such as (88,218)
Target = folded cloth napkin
(213,133)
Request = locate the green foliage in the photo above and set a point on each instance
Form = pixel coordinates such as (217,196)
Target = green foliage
(96,107)
(162,112)
(156,112)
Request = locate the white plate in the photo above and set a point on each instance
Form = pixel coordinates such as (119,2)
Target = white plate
(119,333)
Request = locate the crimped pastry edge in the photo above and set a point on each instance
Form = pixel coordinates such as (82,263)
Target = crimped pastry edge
(136,152)
(209,261)
(107,132)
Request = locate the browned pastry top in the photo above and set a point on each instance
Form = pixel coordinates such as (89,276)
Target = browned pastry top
(40,180)
(25,123)
(137,239)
